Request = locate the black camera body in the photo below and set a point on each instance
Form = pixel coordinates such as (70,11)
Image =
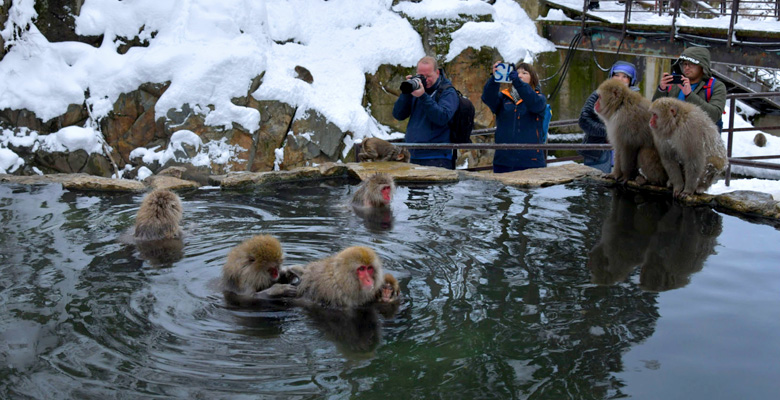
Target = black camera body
(677,79)
(412,84)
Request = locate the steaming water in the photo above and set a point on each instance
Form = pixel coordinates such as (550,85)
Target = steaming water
(574,291)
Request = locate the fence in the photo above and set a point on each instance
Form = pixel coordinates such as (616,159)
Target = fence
(744,161)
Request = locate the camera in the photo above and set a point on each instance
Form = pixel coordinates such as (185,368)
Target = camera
(412,84)
(677,79)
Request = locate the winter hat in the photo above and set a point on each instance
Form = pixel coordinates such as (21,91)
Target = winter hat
(626,68)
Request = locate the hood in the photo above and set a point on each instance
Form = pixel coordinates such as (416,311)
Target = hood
(626,68)
(697,55)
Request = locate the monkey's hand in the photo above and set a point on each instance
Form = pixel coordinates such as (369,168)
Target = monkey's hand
(277,291)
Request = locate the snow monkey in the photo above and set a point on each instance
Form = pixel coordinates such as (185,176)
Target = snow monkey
(251,266)
(159,216)
(689,144)
(389,292)
(376,191)
(375,149)
(348,279)
(625,114)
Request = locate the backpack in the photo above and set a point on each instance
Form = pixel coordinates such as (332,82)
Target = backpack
(462,121)
(546,117)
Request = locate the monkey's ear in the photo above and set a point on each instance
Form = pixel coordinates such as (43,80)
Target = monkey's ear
(673,111)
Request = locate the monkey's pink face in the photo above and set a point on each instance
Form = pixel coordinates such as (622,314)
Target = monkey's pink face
(386,193)
(597,106)
(387,293)
(365,274)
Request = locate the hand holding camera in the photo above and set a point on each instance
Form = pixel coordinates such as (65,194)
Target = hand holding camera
(667,80)
(412,83)
(503,72)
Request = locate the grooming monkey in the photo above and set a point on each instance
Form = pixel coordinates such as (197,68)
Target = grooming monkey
(689,144)
(375,149)
(625,114)
(159,216)
(252,266)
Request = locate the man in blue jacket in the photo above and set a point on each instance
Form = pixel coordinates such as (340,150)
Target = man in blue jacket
(429,114)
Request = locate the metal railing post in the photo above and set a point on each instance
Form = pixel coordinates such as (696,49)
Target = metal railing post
(730,142)
(734,12)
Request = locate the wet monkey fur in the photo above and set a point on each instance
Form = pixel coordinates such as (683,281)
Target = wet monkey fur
(625,114)
(159,216)
(348,279)
(375,149)
(390,291)
(689,144)
(376,191)
(252,266)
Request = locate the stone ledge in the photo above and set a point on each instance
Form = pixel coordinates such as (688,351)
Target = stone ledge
(744,202)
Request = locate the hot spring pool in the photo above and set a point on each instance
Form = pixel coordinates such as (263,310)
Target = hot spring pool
(572,291)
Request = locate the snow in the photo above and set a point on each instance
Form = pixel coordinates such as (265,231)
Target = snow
(211,51)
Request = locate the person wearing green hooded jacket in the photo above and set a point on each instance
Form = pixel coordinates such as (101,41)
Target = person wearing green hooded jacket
(698,85)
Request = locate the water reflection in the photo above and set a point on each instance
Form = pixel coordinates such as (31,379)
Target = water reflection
(508,293)
(669,241)
(685,237)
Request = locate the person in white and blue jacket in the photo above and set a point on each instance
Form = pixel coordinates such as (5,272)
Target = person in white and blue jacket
(593,126)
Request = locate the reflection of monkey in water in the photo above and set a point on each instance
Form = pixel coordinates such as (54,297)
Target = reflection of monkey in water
(159,216)
(355,331)
(375,149)
(686,236)
(625,114)
(251,266)
(624,237)
(689,144)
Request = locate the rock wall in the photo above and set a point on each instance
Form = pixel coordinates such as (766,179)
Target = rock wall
(305,136)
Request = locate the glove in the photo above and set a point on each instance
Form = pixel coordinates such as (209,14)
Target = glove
(513,75)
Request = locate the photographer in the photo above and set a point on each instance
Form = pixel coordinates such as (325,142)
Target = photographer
(698,85)
(518,111)
(428,117)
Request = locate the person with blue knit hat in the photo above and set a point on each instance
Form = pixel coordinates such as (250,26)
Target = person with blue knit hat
(593,126)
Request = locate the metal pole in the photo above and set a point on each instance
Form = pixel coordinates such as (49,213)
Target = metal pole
(730,144)
(734,11)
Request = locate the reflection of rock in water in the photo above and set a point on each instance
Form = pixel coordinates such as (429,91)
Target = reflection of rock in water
(686,236)
(354,331)
(624,237)
(375,218)
(161,252)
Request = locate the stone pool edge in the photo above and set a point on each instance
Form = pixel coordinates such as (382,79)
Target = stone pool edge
(741,201)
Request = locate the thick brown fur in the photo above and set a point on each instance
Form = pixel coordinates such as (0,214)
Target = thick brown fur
(625,114)
(334,281)
(759,140)
(375,149)
(689,144)
(251,266)
(369,193)
(390,291)
(159,216)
